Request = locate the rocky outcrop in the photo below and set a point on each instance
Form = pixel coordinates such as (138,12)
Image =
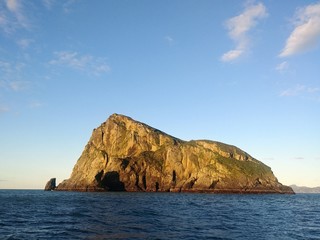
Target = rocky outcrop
(51,185)
(125,155)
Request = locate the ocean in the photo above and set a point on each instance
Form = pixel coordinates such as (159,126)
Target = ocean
(36,214)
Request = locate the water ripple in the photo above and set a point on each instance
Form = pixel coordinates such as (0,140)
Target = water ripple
(70,215)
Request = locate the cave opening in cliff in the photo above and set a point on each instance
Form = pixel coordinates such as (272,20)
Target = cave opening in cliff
(111,182)
(174,176)
(144,182)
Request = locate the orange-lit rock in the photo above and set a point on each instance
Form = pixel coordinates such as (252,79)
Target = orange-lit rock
(126,155)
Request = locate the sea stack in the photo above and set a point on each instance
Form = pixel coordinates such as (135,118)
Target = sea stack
(126,155)
(51,185)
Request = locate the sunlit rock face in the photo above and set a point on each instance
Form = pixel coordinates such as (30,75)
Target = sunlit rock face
(126,155)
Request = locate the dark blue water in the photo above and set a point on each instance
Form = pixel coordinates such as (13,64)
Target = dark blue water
(74,215)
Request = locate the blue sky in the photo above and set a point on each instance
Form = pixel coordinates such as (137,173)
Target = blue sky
(241,72)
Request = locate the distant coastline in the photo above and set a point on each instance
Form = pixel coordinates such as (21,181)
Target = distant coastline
(303,189)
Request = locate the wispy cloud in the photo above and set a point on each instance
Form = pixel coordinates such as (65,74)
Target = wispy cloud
(71,59)
(84,63)
(299,90)
(282,66)
(13,5)
(5,67)
(15,86)
(4,109)
(10,76)
(306,33)
(48,3)
(169,39)
(35,104)
(18,86)
(239,26)
(67,6)
(12,16)
(24,43)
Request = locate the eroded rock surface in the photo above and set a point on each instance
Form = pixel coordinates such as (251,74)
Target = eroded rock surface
(126,155)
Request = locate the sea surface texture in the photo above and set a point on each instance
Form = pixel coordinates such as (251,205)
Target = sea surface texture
(35,214)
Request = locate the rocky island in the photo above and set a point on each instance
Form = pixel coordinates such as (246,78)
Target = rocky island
(126,155)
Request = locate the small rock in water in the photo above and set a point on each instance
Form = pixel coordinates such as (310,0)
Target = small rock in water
(51,185)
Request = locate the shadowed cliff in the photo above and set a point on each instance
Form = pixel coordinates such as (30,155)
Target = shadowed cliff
(125,155)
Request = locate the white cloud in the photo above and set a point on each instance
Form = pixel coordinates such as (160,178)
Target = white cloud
(231,55)
(71,59)
(306,34)
(299,90)
(282,66)
(101,68)
(239,26)
(85,63)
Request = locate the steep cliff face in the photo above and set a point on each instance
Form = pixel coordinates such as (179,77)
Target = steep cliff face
(126,155)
